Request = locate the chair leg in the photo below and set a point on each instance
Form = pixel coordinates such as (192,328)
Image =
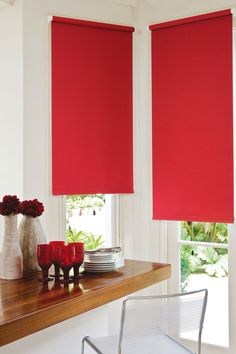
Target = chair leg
(82,347)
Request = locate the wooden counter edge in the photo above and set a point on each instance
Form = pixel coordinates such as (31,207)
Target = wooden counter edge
(57,313)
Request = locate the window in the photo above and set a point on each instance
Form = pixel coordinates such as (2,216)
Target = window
(203,251)
(90,218)
(184,248)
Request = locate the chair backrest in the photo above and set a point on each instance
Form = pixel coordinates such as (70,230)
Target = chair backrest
(172,314)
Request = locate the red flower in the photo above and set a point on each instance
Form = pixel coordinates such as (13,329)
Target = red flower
(31,208)
(10,205)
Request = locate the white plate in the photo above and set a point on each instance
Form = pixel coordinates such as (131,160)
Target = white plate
(95,267)
(101,255)
(101,259)
(104,267)
(100,270)
(101,264)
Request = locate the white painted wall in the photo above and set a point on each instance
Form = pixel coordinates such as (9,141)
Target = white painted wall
(11,103)
(4,3)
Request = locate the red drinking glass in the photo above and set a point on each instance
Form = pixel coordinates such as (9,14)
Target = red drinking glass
(67,258)
(55,246)
(79,257)
(44,256)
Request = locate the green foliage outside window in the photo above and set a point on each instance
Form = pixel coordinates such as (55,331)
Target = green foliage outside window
(90,240)
(197,259)
(82,201)
(204,232)
(185,266)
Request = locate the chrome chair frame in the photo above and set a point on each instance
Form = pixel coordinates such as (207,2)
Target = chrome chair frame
(140,298)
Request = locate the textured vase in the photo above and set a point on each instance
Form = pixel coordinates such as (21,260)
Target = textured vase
(31,234)
(11,257)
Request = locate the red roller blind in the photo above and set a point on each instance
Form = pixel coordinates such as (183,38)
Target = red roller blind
(92,143)
(193,119)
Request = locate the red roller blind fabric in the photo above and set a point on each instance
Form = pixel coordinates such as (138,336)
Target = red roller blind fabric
(92,138)
(193,119)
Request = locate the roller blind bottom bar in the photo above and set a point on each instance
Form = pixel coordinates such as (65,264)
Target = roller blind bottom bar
(224,219)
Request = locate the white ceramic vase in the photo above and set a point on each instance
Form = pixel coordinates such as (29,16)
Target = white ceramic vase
(11,257)
(31,234)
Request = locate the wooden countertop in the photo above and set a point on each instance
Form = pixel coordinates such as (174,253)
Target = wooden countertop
(27,306)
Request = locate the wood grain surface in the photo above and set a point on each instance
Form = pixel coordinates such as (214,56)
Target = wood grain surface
(27,306)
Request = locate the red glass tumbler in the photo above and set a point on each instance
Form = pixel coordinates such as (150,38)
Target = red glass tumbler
(79,257)
(55,246)
(44,256)
(67,258)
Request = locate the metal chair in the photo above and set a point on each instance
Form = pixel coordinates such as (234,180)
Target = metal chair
(155,325)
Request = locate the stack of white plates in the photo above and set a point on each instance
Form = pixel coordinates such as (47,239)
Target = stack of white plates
(102,262)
